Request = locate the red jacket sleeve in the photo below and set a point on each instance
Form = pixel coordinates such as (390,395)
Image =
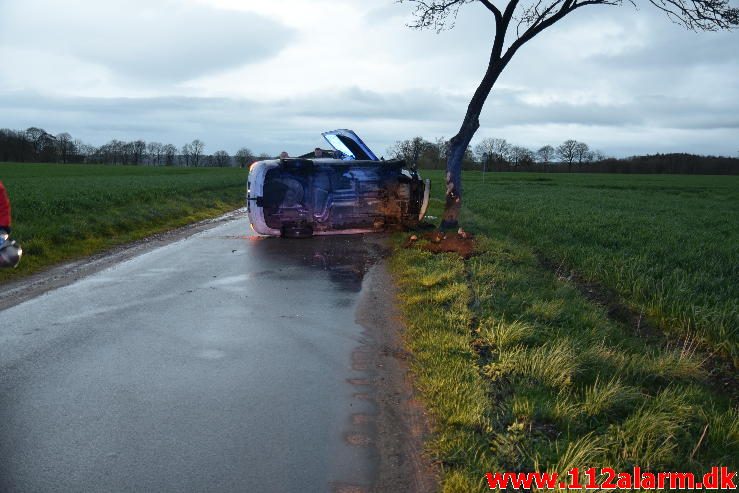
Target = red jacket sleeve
(4,207)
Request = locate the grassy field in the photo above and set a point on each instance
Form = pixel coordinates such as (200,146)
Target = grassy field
(61,212)
(668,245)
(523,372)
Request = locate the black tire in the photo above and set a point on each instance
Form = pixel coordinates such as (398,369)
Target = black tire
(298,232)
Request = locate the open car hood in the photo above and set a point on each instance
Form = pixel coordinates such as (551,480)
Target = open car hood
(349,144)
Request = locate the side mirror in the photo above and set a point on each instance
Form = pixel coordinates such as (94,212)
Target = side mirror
(10,253)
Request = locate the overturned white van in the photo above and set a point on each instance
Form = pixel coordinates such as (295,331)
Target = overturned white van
(351,192)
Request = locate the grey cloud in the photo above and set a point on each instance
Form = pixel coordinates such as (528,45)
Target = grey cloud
(150,41)
(677,87)
(669,46)
(382,13)
(417,104)
(295,124)
(508,108)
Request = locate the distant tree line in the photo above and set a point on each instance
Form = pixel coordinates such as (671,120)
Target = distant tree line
(35,145)
(496,154)
(490,154)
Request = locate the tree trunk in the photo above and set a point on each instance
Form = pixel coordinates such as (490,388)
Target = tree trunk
(459,143)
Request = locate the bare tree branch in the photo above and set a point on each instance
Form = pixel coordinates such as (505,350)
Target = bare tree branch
(492,8)
(697,15)
(437,14)
(700,15)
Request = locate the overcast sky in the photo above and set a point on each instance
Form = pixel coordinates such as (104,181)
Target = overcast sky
(273,74)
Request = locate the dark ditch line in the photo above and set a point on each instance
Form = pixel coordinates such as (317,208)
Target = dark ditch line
(722,374)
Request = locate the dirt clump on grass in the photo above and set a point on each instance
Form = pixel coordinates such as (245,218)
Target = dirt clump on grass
(461,242)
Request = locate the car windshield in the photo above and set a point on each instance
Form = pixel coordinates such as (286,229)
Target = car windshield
(349,144)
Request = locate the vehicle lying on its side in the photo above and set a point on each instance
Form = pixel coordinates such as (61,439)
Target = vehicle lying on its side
(353,192)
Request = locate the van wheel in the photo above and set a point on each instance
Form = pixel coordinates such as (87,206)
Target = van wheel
(294,231)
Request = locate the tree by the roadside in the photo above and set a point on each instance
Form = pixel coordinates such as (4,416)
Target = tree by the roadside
(244,157)
(545,154)
(517,23)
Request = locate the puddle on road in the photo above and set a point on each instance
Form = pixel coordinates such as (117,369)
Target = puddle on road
(346,259)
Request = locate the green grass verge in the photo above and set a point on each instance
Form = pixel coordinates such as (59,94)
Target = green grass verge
(63,212)
(521,372)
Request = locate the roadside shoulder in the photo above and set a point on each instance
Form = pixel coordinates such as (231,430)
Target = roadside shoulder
(401,422)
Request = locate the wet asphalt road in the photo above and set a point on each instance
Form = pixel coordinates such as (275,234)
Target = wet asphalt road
(217,363)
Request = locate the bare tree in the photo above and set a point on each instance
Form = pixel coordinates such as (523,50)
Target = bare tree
(521,156)
(187,155)
(442,144)
(566,152)
(169,153)
(127,150)
(493,150)
(409,150)
(138,150)
(545,154)
(65,147)
(118,151)
(582,152)
(221,159)
(154,151)
(434,156)
(523,21)
(244,157)
(490,151)
(598,156)
(44,144)
(196,147)
(84,152)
